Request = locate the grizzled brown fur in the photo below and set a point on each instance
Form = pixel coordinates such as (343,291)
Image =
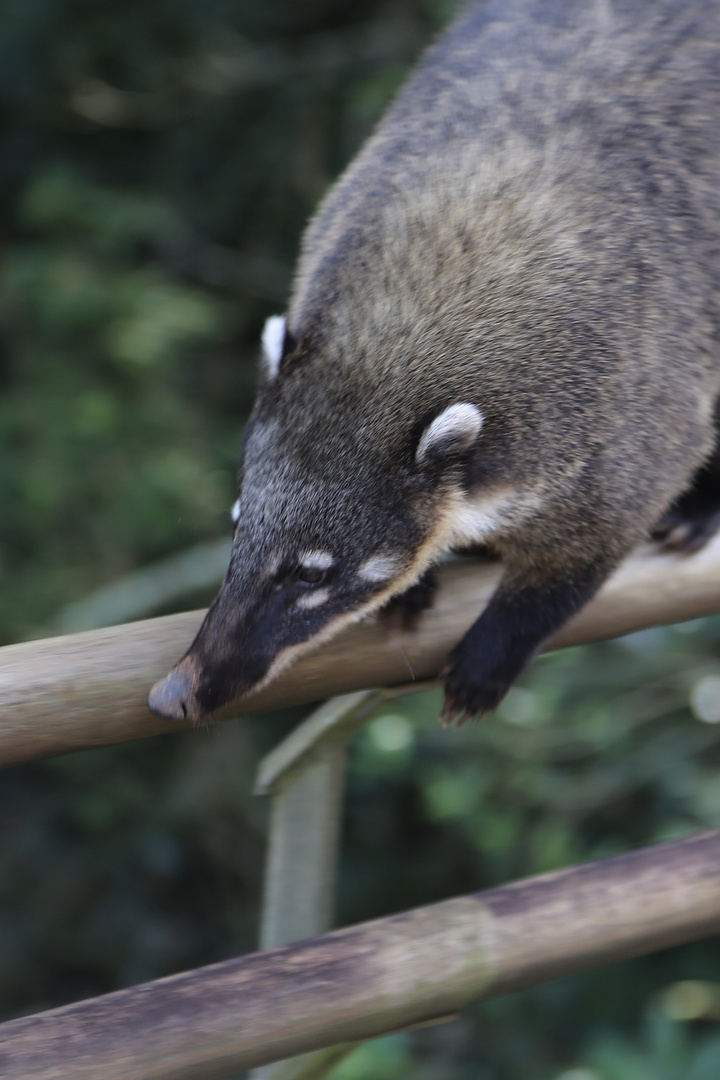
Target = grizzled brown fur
(534,229)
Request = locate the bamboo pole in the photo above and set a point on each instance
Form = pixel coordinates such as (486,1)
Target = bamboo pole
(90,689)
(305,777)
(368,980)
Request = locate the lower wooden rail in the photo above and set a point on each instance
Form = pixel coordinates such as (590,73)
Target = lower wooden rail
(368,980)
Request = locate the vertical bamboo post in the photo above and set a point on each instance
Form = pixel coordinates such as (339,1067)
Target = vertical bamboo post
(305,776)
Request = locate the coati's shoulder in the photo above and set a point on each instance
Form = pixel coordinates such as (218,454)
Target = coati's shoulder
(518,99)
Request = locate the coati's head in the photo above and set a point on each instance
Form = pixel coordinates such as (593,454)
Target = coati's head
(346,498)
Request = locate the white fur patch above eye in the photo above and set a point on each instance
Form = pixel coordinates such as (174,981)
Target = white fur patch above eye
(316,560)
(273,336)
(380,567)
(452,432)
(235,512)
(314,599)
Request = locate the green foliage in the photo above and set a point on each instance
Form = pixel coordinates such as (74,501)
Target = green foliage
(158,163)
(106,458)
(383,1059)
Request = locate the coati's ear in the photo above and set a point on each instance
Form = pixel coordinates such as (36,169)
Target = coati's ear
(276,341)
(450,434)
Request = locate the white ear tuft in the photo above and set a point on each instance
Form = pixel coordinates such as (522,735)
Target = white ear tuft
(273,336)
(450,433)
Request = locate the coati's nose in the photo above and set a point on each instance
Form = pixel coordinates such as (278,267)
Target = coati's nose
(173,696)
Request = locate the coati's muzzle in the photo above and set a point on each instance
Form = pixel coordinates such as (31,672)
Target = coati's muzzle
(249,635)
(195,687)
(233,650)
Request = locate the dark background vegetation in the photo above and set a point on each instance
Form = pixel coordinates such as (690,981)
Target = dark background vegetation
(158,161)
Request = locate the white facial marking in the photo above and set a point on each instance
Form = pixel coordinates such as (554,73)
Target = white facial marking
(314,599)
(380,567)
(316,560)
(458,426)
(273,336)
(235,512)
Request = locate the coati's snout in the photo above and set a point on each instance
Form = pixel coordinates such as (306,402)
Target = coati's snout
(255,630)
(266,612)
(225,660)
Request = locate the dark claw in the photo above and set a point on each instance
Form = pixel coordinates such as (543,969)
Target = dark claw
(474,698)
(468,701)
(446,718)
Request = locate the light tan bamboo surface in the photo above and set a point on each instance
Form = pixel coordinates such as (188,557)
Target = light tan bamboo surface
(90,689)
(367,980)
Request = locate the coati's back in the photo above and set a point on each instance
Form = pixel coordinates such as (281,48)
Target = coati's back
(504,329)
(533,109)
(549,162)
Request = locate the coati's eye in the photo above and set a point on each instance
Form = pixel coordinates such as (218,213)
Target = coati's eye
(299,573)
(313,567)
(311,575)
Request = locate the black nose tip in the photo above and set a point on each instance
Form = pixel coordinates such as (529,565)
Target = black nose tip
(173,697)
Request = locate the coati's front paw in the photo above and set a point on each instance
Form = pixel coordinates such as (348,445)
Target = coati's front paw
(679,532)
(403,612)
(691,521)
(468,699)
(498,647)
(481,669)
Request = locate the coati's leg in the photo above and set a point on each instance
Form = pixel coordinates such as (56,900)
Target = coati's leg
(403,612)
(511,629)
(695,516)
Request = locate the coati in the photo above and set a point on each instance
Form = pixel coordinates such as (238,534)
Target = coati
(504,330)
